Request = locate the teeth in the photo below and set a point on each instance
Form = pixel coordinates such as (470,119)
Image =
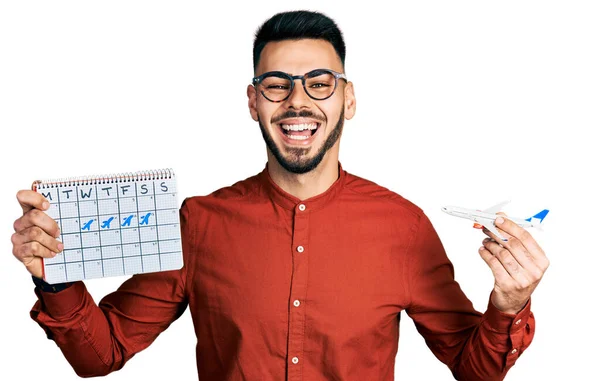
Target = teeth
(297,137)
(299,127)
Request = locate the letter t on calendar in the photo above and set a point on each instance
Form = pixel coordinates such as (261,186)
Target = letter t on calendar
(113,225)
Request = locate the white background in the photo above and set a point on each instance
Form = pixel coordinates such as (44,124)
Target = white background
(463,103)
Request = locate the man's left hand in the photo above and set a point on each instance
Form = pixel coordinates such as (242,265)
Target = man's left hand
(517,264)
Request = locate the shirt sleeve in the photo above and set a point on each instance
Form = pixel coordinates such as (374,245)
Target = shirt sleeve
(99,339)
(474,346)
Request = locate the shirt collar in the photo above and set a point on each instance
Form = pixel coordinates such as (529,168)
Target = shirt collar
(291,202)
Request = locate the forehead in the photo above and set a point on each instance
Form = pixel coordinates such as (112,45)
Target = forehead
(298,56)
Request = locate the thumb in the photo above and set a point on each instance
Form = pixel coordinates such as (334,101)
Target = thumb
(29,199)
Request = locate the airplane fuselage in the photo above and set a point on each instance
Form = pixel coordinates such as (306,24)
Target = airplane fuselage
(479,216)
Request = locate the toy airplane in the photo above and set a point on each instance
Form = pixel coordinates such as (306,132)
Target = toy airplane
(485,218)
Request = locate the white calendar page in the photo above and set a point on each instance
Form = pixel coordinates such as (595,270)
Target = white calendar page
(112,228)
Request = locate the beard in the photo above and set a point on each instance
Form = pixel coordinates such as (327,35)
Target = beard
(298,161)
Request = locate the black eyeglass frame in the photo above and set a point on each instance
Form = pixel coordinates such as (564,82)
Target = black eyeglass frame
(292,78)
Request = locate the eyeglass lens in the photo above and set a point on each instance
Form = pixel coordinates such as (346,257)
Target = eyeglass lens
(318,85)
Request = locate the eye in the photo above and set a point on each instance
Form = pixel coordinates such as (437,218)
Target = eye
(277,87)
(319,85)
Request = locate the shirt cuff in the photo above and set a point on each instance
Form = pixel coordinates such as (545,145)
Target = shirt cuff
(64,303)
(46,287)
(502,322)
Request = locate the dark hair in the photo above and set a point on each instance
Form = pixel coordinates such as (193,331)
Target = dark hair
(298,25)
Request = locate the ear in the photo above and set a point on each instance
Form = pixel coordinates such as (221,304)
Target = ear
(251,92)
(349,101)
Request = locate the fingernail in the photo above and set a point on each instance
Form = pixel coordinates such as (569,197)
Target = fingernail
(481,248)
(499,220)
(486,240)
(58,233)
(61,247)
(45,205)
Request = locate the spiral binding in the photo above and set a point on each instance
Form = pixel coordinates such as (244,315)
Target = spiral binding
(155,174)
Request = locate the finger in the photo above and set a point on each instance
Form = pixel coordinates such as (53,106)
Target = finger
(500,274)
(529,244)
(38,218)
(29,199)
(503,238)
(521,254)
(25,252)
(508,261)
(521,234)
(531,270)
(35,266)
(35,234)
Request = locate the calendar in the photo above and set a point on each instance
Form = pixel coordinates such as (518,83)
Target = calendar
(113,225)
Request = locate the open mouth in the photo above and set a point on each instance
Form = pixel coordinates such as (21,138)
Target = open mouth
(299,132)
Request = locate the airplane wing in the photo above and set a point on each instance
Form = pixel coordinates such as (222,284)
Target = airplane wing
(490,226)
(496,208)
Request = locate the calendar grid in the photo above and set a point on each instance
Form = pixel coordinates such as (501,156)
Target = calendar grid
(156,223)
(137,208)
(80,237)
(170,252)
(146,239)
(120,231)
(61,235)
(99,235)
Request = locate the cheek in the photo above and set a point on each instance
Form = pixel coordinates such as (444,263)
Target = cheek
(266,111)
(332,111)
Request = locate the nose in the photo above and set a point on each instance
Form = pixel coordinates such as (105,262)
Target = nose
(298,98)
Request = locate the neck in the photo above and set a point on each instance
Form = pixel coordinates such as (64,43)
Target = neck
(306,185)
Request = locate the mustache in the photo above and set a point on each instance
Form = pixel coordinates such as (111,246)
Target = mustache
(294,114)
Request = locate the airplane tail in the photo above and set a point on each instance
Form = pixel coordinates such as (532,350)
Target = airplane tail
(538,218)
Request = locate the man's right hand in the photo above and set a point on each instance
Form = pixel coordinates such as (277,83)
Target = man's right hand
(35,233)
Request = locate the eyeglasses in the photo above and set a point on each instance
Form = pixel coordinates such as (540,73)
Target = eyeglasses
(277,86)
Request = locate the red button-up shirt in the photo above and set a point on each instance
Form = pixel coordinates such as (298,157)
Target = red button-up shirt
(286,289)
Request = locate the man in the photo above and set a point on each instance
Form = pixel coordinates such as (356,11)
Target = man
(301,271)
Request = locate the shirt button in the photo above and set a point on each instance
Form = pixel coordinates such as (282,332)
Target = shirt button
(295,360)
(300,249)
(513,351)
(296,303)
(518,322)
(301,207)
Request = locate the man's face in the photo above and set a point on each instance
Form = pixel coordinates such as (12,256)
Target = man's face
(279,120)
